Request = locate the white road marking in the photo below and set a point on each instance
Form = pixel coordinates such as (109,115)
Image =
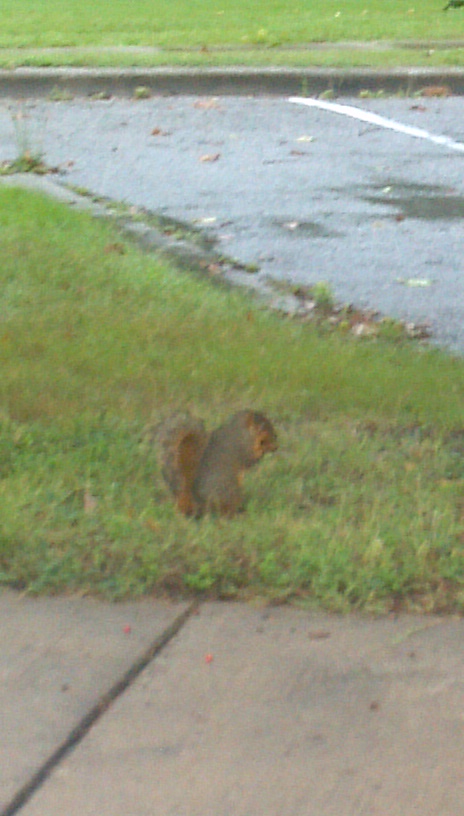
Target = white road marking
(381,121)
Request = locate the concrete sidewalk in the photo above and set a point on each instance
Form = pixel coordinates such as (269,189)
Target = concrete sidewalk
(160,708)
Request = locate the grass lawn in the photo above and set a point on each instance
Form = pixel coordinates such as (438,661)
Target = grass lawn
(361,507)
(258,32)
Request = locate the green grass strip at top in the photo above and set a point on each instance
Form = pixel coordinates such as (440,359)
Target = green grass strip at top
(187,23)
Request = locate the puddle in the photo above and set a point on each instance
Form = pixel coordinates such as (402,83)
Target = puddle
(429,208)
(429,202)
(408,188)
(304,229)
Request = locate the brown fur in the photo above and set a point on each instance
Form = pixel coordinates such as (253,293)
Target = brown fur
(205,473)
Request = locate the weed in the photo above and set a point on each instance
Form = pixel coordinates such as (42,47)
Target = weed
(30,157)
(323,296)
(142,92)
(304,92)
(328,94)
(367,94)
(25,163)
(100,96)
(60,95)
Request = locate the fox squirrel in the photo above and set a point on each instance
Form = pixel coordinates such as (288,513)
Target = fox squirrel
(205,471)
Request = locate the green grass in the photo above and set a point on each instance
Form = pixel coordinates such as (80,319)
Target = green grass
(259,29)
(361,507)
(187,23)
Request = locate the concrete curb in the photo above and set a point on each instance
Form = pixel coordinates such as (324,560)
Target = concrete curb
(38,82)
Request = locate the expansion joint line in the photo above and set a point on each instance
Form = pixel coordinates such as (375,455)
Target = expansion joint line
(93,715)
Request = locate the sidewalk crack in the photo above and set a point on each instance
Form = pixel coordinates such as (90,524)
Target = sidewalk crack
(78,733)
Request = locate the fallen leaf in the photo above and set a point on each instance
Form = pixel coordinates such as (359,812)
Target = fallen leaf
(418,283)
(205,221)
(206,104)
(363,329)
(119,249)
(158,132)
(436,90)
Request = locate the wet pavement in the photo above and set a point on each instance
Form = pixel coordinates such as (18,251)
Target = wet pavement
(303,194)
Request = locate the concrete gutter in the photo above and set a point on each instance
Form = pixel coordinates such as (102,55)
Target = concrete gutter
(39,82)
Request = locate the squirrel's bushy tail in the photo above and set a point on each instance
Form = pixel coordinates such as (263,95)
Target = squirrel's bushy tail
(183,443)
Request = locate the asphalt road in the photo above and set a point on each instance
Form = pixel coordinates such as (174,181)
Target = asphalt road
(307,194)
